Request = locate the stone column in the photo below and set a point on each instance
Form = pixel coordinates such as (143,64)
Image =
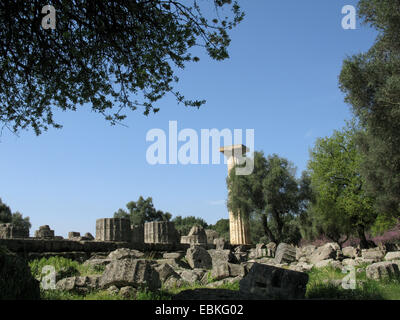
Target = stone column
(113,229)
(239,226)
(160,232)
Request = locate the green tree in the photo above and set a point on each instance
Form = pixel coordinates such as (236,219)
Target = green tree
(111,55)
(371,82)
(341,205)
(16,219)
(183,225)
(272,192)
(222,227)
(142,211)
(5,213)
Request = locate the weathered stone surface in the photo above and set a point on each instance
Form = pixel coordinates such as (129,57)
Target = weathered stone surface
(113,290)
(125,253)
(392,256)
(175,263)
(8,231)
(79,284)
(127,292)
(221,256)
(160,232)
(44,232)
(301,267)
(165,271)
(94,263)
(220,244)
(271,249)
(305,252)
(113,229)
(260,251)
(328,262)
(226,270)
(274,283)
(88,236)
(325,252)
(349,252)
(174,255)
(192,276)
(240,254)
(381,270)
(198,257)
(197,235)
(375,254)
(73,235)
(136,273)
(285,253)
(137,233)
(211,235)
(239,225)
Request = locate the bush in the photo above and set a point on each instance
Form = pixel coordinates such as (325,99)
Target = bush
(16,281)
(64,268)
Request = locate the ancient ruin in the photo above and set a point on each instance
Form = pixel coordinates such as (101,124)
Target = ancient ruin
(197,235)
(8,231)
(113,229)
(239,228)
(44,232)
(160,232)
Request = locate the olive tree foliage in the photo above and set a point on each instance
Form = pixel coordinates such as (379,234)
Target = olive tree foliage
(371,82)
(142,211)
(341,206)
(16,218)
(184,224)
(113,56)
(272,193)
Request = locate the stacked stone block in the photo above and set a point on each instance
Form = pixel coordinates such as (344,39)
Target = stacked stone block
(44,232)
(160,232)
(8,231)
(197,235)
(113,229)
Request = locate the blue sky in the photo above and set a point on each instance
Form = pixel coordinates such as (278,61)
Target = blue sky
(281,80)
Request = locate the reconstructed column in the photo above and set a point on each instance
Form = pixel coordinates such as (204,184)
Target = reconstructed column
(113,229)
(239,226)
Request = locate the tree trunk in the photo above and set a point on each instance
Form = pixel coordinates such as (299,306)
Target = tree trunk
(267,231)
(364,243)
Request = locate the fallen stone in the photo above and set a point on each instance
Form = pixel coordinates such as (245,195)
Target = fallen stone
(221,256)
(138,273)
(79,284)
(274,283)
(271,249)
(127,292)
(392,256)
(383,270)
(285,253)
(349,252)
(375,254)
(125,253)
(220,244)
(325,252)
(192,276)
(226,270)
(198,257)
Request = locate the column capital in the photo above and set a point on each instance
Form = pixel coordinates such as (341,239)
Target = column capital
(236,149)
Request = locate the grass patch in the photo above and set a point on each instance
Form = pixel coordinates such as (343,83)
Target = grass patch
(63,266)
(366,289)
